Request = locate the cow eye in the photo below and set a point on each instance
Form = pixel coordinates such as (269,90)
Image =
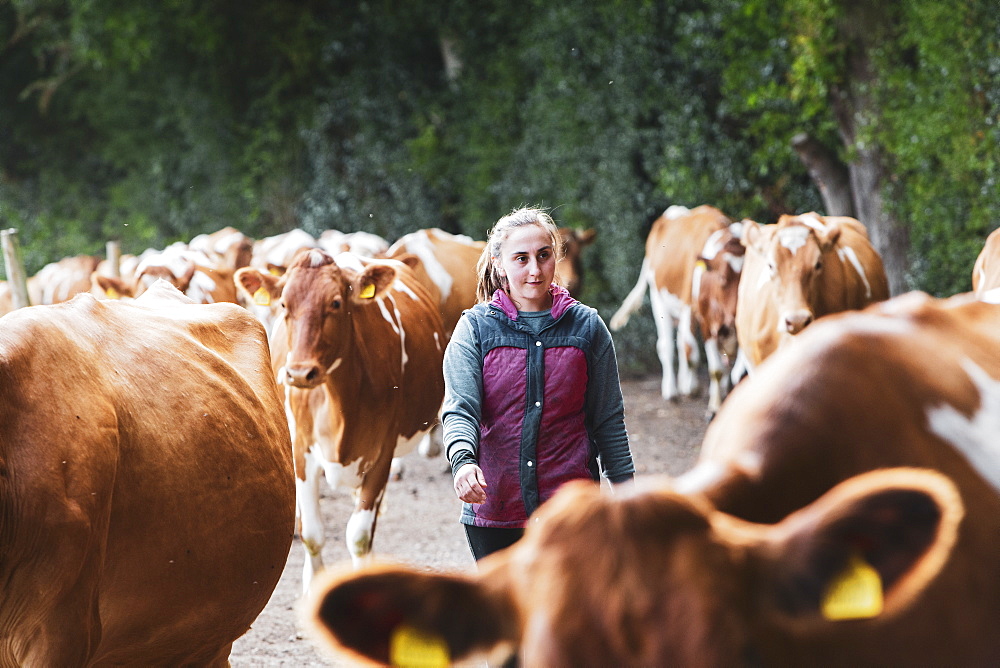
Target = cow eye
(819,265)
(335,304)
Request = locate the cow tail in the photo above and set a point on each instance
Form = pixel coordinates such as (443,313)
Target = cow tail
(634,299)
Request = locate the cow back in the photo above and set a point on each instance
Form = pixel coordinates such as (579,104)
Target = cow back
(151,487)
(674,245)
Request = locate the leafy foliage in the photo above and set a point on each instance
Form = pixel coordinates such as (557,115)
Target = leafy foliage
(153,122)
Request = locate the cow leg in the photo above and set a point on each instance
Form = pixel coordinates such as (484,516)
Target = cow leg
(717,376)
(307,497)
(664,341)
(688,357)
(361,526)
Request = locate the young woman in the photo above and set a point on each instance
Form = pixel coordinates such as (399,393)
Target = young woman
(532,395)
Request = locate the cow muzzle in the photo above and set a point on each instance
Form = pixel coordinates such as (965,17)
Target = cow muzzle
(796,321)
(303,376)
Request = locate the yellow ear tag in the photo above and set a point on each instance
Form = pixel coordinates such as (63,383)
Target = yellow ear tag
(368,291)
(112,293)
(411,648)
(856,593)
(274,271)
(262,297)
(700,264)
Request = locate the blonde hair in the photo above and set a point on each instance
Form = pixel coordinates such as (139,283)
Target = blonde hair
(489,279)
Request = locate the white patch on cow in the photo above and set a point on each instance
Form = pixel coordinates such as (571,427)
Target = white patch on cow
(405,445)
(420,245)
(846,253)
(359,535)
(735,262)
(349,261)
(336,363)
(736,229)
(976,437)
(699,271)
(813,221)
(793,238)
(713,245)
(676,211)
(394,318)
(201,287)
(437,340)
(400,286)
(991,296)
(278,250)
(315,258)
(700,478)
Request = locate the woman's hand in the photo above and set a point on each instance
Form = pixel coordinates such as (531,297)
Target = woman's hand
(470,484)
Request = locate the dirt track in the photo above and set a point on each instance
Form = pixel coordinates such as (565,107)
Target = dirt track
(419,523)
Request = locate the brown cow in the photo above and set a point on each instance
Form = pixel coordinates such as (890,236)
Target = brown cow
(676,246)
(359,348)
(986,272)
(800,269)
(445,264)
(570,267)
(147,491)
(844,511)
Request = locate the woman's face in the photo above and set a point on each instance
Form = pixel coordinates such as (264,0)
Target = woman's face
(528,261)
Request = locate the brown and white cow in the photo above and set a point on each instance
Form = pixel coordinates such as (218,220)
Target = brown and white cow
(365,244)
(445,264)
(800,269)
(570,267)
(359,348)
(679,243)
(844,511)
(147,491)
(60,281)
(986,272)
(227,247)
(200,277)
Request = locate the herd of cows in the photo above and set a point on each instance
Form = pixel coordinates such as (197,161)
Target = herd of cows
(164,436)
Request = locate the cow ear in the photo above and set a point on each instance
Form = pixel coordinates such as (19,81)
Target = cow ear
(393,615)
(259,287)
(110,287)
(863,550)
(750,234)
(409,259)
(829,236)
(586,237)
(371,283)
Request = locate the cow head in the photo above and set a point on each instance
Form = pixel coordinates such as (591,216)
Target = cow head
(717,279)
(320,299)
(570,268)
(795,251)
(657,578)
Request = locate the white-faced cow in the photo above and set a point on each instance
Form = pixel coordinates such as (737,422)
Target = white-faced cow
(146,483)
(800,269)
(844,511)
(684,248)
(986,272)
(445,264)
(359,348)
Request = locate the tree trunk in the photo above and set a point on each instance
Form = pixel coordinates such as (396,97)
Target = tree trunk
(828,173)
(865,27)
